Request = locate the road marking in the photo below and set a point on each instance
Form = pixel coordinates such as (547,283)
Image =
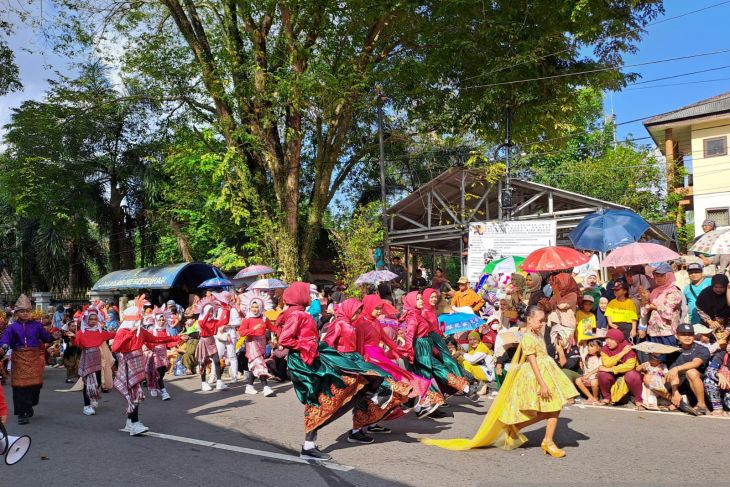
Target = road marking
(250,451)
(672,414)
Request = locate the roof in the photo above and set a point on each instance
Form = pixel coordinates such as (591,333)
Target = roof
(187,275)
(670,230)
(715,105)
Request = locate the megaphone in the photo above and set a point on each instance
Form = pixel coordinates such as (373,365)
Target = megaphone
(13,448)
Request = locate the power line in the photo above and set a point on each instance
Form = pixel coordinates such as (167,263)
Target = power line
(678,84)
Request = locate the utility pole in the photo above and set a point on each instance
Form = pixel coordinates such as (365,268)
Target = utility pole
(381,98)
(507,189)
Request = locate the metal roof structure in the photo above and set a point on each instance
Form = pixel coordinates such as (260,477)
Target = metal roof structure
(186,276)
(435,216)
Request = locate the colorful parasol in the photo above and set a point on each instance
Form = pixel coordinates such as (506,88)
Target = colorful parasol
(553,259)
(639,253)
(215,282)
(268,284)
(253,271)
(508,265)
(713,242)
(374,277)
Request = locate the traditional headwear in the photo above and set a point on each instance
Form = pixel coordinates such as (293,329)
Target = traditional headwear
(474,334)
(85,319)
(225,297)
(23,303)
(132,316)
(249,313)
(297,294)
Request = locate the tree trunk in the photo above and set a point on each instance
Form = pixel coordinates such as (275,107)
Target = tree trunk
(182,241)
(73,266)
(117,225)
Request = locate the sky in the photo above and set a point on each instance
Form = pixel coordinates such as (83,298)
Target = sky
(680,32)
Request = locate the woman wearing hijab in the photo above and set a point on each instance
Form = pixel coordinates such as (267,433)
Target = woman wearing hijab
(562,306)
(324,381)
(371,334)
(713,304)
(618,359)
(534,294)
(157,357)
(89,340)
(254,327)
(342,335)
(663,310)
(435,334)
(419,349)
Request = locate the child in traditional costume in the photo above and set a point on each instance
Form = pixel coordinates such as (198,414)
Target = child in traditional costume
(213,318)
(157,362)
(227,336)
(254,327)
(128,345)
(24,337)
(327,383)
(90,339)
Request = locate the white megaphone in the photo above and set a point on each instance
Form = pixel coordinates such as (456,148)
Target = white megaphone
(13,448)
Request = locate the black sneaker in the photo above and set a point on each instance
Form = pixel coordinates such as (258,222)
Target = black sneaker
(23,419)
(438,414)
(376,428)
(472,395)
(359,437)
(384,402)
(426,412)
(314,454)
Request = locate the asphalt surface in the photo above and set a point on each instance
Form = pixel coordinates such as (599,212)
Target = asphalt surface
(228,438)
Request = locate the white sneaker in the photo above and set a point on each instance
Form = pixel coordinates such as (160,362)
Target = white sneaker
(205,386)
(137,429)
(211,379)
(165,395)
(220,386)
(250,390)
(127,427)
(94,404)
(153,392)
(268,391)
(89,411)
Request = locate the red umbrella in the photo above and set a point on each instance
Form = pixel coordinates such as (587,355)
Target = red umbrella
(639,253)
(553,259)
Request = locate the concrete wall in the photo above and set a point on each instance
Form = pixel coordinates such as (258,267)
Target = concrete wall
(711,175)
(705,201)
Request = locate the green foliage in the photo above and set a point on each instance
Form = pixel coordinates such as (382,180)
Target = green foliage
(354,238)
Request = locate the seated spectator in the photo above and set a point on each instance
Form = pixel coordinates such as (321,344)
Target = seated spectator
(686,370)
(590,364)
(703,336)
(567,355)
(618,359)
(655,376)
(621,312)
(717,382)
(697,283)
(479,361)
(712,305)
(585,320)
(466,296)
(419,282)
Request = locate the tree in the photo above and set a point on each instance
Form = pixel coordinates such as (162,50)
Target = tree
(9,72)
(288,85)
(589,162)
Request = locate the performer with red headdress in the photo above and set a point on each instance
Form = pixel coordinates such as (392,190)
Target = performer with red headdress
(90,339)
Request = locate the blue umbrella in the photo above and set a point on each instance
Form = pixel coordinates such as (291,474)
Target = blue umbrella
(607,229)
(215,282)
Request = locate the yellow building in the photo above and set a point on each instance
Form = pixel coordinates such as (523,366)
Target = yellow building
(697,136)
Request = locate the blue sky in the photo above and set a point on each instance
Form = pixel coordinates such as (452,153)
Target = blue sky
(695,33)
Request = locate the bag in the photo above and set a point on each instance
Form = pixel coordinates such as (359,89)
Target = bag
(619,389)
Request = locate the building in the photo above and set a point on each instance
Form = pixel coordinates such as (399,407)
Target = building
(697,136)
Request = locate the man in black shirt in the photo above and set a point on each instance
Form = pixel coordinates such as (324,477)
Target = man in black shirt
(686,368)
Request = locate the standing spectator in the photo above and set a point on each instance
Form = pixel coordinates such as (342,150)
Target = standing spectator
(57,321)
(664,308)
(721,261)
(619,360)
(712,303)
(591,286)
(621,312)
(697,283)
(466,296)
(687,369)
(534,289)
(419,282)
(639,285)
(616,274)
(580,273)
(377,256)
(396,267)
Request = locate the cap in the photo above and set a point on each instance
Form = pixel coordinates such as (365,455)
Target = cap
(701,329)
(695,267)
(663,268)
(463,280)
(710,223)
(619,284)
(588,297)
(171,301)
(685,328)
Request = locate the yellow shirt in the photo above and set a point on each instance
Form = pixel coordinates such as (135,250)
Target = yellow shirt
(585,325)
(622,311)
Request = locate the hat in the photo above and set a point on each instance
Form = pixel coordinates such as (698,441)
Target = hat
(463,280)
(171,302)
(701,329)
(23,303)
(694,267)
(710,223)
(588,297)
(663,268)
(685,328)
(619,284)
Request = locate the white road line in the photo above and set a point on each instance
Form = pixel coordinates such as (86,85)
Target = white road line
(648,411)
(249,451)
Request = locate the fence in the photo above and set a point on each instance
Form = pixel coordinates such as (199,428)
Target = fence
(58,296)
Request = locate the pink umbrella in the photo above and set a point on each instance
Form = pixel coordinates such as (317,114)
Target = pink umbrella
(253,271)
(639,253)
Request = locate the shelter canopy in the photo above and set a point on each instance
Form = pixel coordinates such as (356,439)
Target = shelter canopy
(186,276)
(437,214)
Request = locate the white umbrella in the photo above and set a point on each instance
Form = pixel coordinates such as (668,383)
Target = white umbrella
(268,284)
(374,277)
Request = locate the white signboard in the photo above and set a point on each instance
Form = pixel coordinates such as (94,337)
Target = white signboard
(494,240)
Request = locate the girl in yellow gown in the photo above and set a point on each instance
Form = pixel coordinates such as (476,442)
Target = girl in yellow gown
(534,390)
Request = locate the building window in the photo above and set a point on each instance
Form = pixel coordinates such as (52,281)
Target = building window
(720,215)
(715,147)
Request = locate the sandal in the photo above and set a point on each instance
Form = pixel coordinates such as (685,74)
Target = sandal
(701,411)
(686,408)
(639,406)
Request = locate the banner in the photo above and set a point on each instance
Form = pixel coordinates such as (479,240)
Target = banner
(459,322)
(495,240)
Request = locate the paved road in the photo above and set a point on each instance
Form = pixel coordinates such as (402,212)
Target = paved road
(227,438)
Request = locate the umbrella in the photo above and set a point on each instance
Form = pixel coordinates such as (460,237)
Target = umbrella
(374,277)
(553,259)
(607,229)
(639,253)
(215,282)
(253,271)
(508,265)
(659,348)
(713,242)
(268,284)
